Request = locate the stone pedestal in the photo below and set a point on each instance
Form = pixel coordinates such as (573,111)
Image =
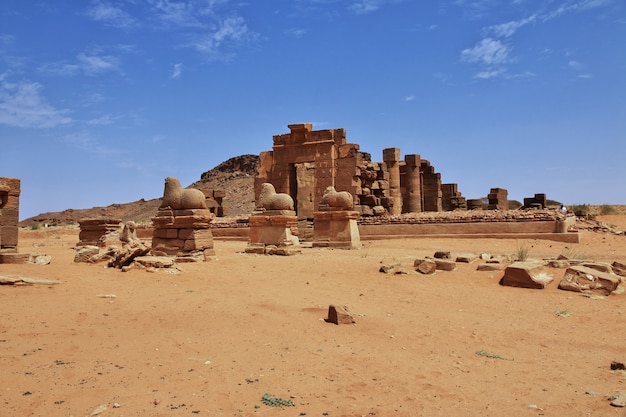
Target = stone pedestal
(273,231)
(101,232)
(183,232)
(336,229)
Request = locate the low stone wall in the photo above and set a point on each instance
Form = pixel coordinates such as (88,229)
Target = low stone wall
(512,224)
(523,224)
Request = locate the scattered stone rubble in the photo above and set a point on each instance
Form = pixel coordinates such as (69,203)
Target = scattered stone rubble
(584,276)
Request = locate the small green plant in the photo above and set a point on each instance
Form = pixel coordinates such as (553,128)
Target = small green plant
(563,313)
(521,253)
(34,226)
(268,399)
(491,355)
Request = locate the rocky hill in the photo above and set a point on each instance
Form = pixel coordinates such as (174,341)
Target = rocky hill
(235,176)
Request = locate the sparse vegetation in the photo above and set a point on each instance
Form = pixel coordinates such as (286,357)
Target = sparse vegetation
(491,355)
(521,253)
(563,313)
(34,226)
(607,209)
(570,253)
(580,208)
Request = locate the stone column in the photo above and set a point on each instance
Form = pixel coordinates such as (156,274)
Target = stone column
(391,157)
(413,200)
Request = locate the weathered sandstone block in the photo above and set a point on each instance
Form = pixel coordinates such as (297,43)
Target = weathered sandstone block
(585,279)
(339,314)
(526,275)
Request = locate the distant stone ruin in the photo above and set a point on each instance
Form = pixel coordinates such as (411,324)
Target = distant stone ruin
(304,162)
(539,201)
(9,219)
(9,213)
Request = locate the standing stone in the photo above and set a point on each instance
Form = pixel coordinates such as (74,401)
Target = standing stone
(391,156)
(413,202)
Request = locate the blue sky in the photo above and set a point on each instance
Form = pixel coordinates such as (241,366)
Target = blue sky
(101,100)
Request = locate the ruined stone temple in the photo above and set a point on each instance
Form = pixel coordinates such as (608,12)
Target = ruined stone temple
(304,162)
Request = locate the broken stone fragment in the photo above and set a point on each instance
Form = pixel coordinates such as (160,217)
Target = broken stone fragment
(528,274)
(468,259)
(589,280)
(40,259)
(339,314)
(444,265)
(600,266)
(558,263)
(489,267)
(85,253)
(425,266)
(442,254)
(618,399)
(154,261)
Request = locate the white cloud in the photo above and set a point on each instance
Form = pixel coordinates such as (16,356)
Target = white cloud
(22,105)
(296,32)
(96,64)
(488,74)
(575,65)
(178,13)
(88,64)
(111,15)
(107,119)
(230,31)
(488,51)
(87,143)
(409,98)
(177,70)
(508,29)
(365,6)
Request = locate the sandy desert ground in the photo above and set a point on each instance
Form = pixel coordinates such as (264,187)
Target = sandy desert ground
(212,340)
